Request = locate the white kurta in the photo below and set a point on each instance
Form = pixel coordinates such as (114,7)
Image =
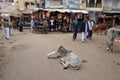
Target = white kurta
(6,33)
(32,25)
(85,34)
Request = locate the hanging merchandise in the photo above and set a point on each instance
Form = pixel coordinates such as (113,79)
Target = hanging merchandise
(59,16)
(48,14)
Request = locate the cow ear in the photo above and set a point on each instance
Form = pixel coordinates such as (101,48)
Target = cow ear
(61,46)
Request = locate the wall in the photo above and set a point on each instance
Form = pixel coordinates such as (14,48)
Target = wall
(21,4)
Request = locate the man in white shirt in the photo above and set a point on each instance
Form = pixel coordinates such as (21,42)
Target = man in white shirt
(52,24)
(91,24)
(32,24)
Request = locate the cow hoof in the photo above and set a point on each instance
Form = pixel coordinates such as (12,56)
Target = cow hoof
(65,68)
(111,50)
(107,49)
(61,63)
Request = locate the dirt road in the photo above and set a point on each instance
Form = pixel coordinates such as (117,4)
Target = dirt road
(26,57)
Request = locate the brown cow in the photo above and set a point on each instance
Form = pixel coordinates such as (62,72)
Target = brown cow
(101,27)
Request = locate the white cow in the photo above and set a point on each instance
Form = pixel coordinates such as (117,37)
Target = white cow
(68,58)
(111,35)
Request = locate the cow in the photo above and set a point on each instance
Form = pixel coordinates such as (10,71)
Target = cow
(67,58)
(101,27)
(111,36)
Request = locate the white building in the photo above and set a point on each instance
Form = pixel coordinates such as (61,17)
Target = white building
(111,6)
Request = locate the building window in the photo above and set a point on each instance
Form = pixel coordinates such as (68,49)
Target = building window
(91,3)
(87,3)
(99,4)
(32,3)
(26,4)
(94,3)
(11,1)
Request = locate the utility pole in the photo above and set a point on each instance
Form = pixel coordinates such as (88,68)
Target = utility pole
(36,3)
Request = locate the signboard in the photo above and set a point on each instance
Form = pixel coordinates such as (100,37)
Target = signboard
(66,2)
(50,3)
(73,5)
(31,6)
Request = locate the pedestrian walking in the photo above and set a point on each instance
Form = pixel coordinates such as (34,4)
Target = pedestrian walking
(6,29)
(32,25)
(11,27)
(84,28)
(91,25)
(52,25)
(21,26)
(16,23)
(75,26)
(45,24)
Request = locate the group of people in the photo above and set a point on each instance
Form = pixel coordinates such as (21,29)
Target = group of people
(18,24)
(55,24)
(43,23)
(85,28)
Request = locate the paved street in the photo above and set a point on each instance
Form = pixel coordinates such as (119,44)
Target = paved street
(26,57)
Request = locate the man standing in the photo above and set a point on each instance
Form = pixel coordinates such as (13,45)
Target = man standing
(6,30)
(21,25)
(10,27)
(32,25)
(45,24)
(84,28)
(75,26)
(91,24)
(52,25)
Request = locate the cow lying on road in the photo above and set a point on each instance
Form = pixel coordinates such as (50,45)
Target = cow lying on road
(68,58)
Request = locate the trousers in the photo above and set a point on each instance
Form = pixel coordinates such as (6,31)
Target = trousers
(84,36)
(74,34)
(90,34)
(6,33)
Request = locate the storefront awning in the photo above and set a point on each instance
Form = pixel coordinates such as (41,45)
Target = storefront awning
(94,9)
(80,11)
(112,11)
(67,10)
(28,11)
